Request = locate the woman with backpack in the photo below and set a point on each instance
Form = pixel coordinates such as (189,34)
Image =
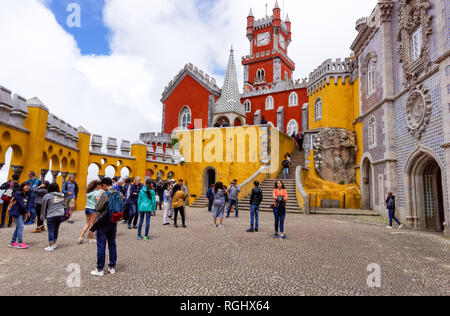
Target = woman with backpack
(146,205)
(39,194)
(219,204)
(93,193)
(280,197)
(10,188)
(19,207)
(54,211)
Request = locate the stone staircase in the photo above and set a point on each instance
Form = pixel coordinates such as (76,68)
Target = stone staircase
(268,186)
(201,202)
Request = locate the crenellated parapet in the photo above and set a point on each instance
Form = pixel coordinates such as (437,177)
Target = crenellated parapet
(111,147)
(13,109)
(203,78)
(275,88)
(61,132)
(339,70)
(159,147)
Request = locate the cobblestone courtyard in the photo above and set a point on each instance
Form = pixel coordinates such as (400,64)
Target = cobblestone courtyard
(325,255)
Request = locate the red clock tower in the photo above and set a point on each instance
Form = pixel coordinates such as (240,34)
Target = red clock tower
(268,61)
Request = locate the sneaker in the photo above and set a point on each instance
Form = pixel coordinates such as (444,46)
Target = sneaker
(13,245)
(400,227)
(176,226)
(256,230)
(251,230)
(80,241)
(23,246)
(216,226)
(221,226)
(135,227)
(70,221)
(92,241)
(167,224)
(184,226)
(147,238)
(129,227)
(389,227)
(98,273)
(284,237)
(275,236)
(140,238)
(112,270)
(49,249)
(55,246)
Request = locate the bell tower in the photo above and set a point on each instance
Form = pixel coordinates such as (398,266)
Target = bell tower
(268,61)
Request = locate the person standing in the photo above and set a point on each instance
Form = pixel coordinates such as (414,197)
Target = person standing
(263,121)
(178,202)
(255,201)
(10,188)
(233,196)
(160,193)
(20,207)
(167,198)
(280,197)
(185,189)
(219,204)
(210,197)
(286,164)
(172,186)
(146,205)
(132,201)
(53,210)
(390,204)
(39,194)
(34,184)
(93,193)
(126,191)
(105,228)
(70,191)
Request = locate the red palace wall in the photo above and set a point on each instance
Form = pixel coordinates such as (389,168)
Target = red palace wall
(266,65)
(189,92)
(280,99)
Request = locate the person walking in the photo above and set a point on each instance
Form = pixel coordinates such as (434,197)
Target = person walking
(146,205)
(210,197)
(255,201)
(70,190)
(219,205)
(34,184)
(233,196)
(20,206)
(132,201)
(178,202)
(93,193)
(286,165)
(390,204)
(10,188)
(39,194)
(53,210)
(280,197)
(106,230)
(167,203)
(126,191)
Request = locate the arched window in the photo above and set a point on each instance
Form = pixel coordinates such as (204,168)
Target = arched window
(318,109)
(371,77)
(293,99)
(372,133)
(263,75)
(247,106)
(185,118)
(270,103)
(292,127)
(258,75)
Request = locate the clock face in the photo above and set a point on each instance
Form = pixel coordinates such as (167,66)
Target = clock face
(282,42)
(263,39)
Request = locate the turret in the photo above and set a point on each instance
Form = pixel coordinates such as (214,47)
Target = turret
(289,35)
(250,25)
(277,15)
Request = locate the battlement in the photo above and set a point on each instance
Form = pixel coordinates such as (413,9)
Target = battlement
(111,146)
(339,70)
(275,88)
(205,79)
(267,54)
(267,22)
(61,132)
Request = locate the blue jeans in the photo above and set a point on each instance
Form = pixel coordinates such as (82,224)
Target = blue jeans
(279,220)
(53,224)
(210,205)
(18,233)
(254,216)
(230,204)
(286,173)
(132,214)
(107,233)
(148,216)
(392,217)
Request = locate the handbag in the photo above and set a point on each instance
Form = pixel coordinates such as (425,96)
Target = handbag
(66,215)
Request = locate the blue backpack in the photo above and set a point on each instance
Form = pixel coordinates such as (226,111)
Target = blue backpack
(115,207)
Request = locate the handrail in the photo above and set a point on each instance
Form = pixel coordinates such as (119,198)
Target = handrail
(253,177)
(302,196)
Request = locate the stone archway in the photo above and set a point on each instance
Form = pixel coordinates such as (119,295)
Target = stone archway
(424,192)
(209,177)
(367,196)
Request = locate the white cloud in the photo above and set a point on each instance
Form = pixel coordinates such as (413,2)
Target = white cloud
(119,95)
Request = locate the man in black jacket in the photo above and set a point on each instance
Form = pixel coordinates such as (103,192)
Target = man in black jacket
(255,201)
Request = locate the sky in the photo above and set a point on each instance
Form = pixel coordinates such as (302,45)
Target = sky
(108,74)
